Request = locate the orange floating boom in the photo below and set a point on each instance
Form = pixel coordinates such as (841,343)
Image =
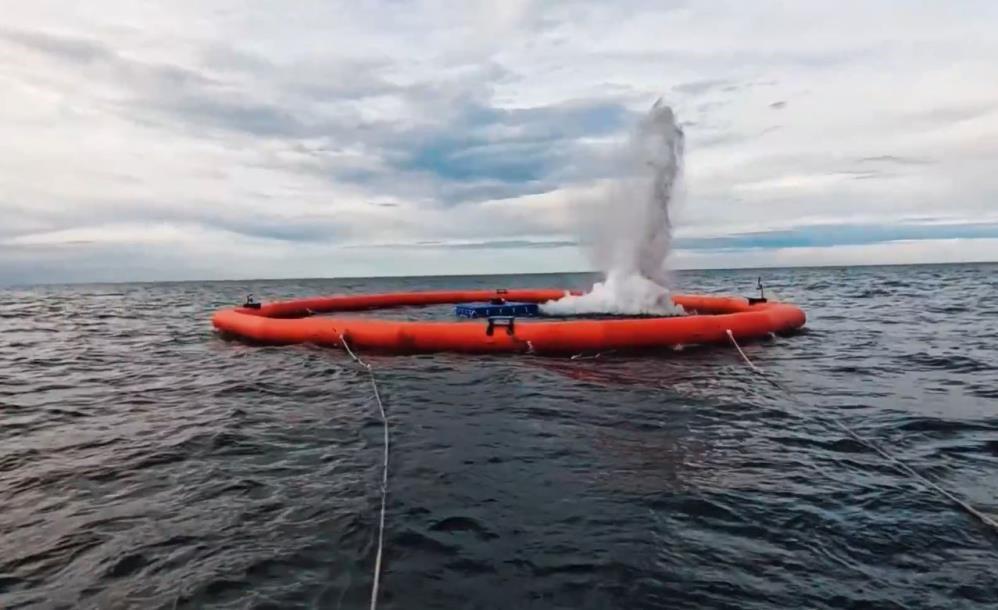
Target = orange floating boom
(289,322)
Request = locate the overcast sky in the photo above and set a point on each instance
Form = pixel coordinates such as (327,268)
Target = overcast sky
(242,139)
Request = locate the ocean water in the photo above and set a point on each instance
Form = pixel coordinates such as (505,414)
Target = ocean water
(147,463)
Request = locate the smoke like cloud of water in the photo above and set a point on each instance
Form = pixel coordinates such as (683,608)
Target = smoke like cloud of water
(631,230)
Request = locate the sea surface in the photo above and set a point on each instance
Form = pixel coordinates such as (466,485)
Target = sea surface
(145,462)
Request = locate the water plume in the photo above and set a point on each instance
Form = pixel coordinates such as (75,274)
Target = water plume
(631,230)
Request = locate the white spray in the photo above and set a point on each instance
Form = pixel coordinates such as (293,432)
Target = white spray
(631,233)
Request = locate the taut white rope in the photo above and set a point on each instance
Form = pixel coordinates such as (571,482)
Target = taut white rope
(902,466)
(384,473)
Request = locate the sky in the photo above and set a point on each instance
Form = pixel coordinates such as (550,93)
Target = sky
(251,139)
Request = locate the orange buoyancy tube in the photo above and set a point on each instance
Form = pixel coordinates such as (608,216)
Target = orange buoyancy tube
(711,317)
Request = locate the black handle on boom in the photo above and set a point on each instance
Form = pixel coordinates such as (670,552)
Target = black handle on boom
(495,321)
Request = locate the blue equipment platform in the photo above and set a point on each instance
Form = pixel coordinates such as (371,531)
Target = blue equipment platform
(487,310)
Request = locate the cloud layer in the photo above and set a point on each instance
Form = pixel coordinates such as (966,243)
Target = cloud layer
(208,140)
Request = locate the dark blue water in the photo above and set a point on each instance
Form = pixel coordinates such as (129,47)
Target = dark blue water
(146,463)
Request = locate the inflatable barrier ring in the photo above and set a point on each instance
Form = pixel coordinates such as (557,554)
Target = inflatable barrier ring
(709,320)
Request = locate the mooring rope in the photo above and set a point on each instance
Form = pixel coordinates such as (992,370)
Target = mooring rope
(384,473)
(900,465)
(596,356)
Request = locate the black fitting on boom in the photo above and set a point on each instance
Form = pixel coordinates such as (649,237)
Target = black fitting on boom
(762,294)
(495,321)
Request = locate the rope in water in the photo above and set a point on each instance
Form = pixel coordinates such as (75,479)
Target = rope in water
(900,465)
(384,474)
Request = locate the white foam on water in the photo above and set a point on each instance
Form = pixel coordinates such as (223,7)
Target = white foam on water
(630,294)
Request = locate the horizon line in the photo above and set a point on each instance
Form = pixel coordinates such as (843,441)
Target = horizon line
(471,275)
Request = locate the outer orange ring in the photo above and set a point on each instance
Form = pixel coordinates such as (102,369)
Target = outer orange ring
(289,322)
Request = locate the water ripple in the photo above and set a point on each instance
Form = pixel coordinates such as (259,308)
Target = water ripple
(145,462)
